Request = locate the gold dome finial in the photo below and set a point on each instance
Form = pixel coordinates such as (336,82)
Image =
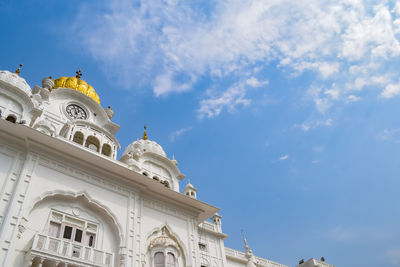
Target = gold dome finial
(79,74)
(145,134)
(17,71)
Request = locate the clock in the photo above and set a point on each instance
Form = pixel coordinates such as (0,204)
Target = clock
(76,112)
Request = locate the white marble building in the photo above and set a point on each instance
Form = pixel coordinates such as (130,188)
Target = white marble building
(67,201)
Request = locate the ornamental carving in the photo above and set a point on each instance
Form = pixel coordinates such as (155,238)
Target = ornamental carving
(163,239)
(45,126)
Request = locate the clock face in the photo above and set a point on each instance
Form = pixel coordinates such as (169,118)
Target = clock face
(76,112)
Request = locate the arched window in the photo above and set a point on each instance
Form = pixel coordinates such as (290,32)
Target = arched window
(11,118)
(159,260)
(170,260)
(156,178)
(106,150)
(92,143)
(78,138)
(74,229)
(91,240)
(164,249)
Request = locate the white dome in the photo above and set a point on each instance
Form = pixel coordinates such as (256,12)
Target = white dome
(142,146)
(189,185)
(15,80)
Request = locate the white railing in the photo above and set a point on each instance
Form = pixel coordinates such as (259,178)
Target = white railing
(208,226)
(233,253)
(72,251)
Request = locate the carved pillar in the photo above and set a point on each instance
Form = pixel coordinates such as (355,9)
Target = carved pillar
(122,259)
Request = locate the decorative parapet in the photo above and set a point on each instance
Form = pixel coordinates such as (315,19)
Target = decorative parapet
(315,263)
(240,256)
(211,228)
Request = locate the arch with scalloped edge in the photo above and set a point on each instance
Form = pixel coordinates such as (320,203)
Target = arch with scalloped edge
(90,200)
(153,234)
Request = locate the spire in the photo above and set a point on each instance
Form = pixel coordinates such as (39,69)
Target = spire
(251,259)
(17,71)
(79,73)
(145,134)
(174,160)
(245,241)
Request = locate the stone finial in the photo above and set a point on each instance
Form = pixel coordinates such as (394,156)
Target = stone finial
(144,133)
(174,160)
(109,112)
(48,83)
(251,259)
(79,74)
(246,246)
(17,71)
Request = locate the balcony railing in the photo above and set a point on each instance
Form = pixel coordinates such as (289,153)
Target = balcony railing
(232,253)
(70,251)
(209,226)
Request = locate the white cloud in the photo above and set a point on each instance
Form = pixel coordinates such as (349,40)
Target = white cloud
(254,82)
(389,135)
(391,90)
(353,98)
(170,45)
(173,136)
(334,93)
(165,84)
(230,99)
(312,124)
(396,8)
(322,98)
(285,157)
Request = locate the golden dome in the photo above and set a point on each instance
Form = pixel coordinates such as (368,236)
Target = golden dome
(78,85)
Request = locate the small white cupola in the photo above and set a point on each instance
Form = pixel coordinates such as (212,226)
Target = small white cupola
(149,159)
(190,190)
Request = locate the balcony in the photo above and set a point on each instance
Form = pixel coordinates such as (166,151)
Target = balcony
(51,251)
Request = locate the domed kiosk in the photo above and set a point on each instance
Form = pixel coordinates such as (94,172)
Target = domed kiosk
(148,158)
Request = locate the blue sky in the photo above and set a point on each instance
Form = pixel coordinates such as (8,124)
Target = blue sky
(284,115)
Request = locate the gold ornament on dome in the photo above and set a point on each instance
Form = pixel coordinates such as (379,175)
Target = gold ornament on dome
(144,134)
(75,83)
(17,71)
